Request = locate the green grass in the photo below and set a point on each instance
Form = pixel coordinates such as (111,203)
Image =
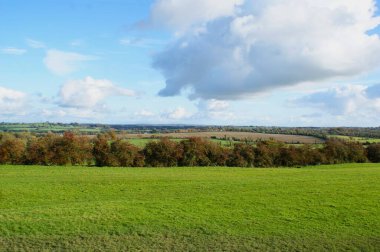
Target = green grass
(142,142)
(357,139)
(190,209)
(47,127)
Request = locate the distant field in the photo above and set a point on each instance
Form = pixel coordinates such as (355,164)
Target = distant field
(141,142)
(46,127)
(357,139)
(330,208)
(237,135)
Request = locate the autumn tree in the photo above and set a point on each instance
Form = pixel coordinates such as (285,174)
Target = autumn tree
(162,153)
(243,155)
(102,151)
(266,153)
(12,150)
(339,151)
(126,155)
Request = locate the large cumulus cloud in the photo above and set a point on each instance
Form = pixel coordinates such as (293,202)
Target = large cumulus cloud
(254,46)
(347,100)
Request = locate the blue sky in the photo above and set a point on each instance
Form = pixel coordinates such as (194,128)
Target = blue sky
(231,62)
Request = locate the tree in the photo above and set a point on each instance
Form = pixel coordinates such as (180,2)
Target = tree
(82,151)
(12,151)
(266,153)
(289,156)
(243,155)
(340,151)
(162,153)
(126,154)
(102,151)
(373,151)
(39,150)
(194,152)
(335,151)
(311,155)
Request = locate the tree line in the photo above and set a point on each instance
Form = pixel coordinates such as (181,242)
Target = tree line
(107,149)
(319,132)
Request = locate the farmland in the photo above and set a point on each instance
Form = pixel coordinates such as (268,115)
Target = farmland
(250,136)
(357,139)
(77,208)
(142,142)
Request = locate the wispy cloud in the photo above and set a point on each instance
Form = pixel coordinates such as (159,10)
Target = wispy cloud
(61,62)
(76,42)
(35,44)
(144,113)
(13,51)
(142,42)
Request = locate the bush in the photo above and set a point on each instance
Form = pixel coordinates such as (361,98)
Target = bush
(373,151)
(243,155)
(12,151)
(107,150)
(164,153)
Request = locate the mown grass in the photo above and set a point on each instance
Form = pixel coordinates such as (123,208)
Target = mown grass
(190,209)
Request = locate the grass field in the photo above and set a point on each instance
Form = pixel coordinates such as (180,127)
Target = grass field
(237,135)
(357,139)
(190,209)
(141,142)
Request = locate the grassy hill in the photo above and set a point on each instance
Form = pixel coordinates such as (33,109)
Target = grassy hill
(75,208)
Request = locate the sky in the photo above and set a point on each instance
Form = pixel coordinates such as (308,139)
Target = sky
(204,62)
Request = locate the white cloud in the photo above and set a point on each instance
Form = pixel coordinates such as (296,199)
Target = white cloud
(141,42)
(89,93)
(61,63)
(77,42)
(13,51)
(53,113)
(35,44)
(67,114)
(217,105)
(346,100)
(12,102)
(214,110)
(181,14)
(177,114)
(144,113)
(264,44)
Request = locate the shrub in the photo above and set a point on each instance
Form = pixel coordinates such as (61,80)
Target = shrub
(373,151)
(163,153)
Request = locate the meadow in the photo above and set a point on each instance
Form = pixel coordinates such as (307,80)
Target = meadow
(142,142)
(190,209)
(251,136)
(357,139)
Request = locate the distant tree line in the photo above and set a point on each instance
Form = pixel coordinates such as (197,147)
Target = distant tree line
(319,132)
(93,129)
(107,149)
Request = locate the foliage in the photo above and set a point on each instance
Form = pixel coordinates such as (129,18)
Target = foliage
(108,149)
(12,150)
(164,153)
(374,153)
